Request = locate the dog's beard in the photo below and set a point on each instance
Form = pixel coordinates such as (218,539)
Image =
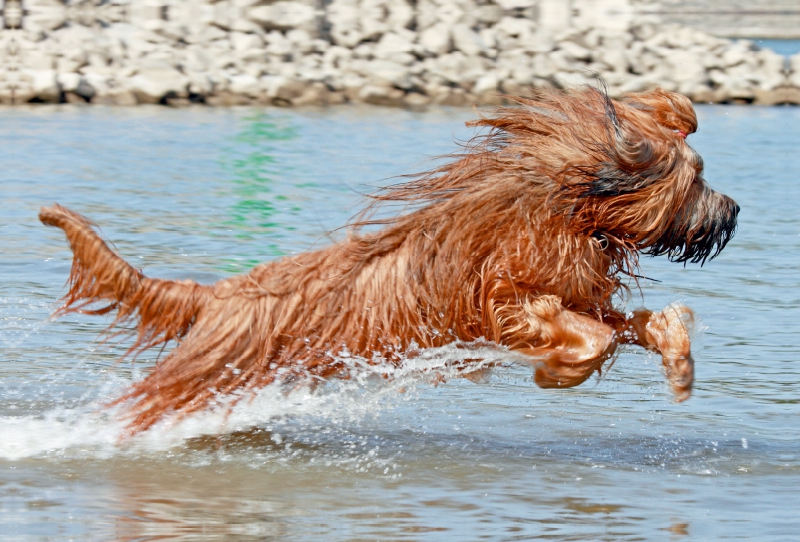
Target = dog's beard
(700,230)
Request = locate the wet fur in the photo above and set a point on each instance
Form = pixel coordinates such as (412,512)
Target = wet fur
(521,240)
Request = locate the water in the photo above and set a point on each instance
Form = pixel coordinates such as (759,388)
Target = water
(203,193)
(782,47)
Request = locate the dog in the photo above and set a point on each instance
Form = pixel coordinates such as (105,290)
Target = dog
(521,239)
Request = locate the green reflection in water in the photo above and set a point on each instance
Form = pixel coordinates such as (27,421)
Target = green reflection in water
(264,205)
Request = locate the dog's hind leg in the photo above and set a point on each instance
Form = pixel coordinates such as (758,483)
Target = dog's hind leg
(565,347)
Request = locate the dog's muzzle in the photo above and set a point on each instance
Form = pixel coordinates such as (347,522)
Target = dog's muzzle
(701,230)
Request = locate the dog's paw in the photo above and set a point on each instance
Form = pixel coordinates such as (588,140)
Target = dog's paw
(670,331)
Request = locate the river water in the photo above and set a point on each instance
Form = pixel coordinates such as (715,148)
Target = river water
(204,193)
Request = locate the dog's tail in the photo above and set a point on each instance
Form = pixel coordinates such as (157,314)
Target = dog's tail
(224,353)
(162,309)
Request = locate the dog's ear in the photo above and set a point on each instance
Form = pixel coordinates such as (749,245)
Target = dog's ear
(673,111)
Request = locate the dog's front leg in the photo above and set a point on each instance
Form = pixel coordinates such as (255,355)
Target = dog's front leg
(566,347)
(666,332)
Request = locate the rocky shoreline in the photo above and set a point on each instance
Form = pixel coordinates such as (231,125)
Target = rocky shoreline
(386,52)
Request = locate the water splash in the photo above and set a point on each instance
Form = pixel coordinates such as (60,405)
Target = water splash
(91,429)
(20,317)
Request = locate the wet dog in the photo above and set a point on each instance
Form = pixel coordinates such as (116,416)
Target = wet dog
(523,239)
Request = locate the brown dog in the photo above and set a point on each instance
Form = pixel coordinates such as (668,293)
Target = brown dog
(519,240)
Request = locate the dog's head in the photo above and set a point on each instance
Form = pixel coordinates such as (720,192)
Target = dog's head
(638,183)
(616,173)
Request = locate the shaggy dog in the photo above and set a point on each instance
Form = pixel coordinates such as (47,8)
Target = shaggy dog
(520,240)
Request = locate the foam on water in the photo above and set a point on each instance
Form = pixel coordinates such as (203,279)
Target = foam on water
(94,430)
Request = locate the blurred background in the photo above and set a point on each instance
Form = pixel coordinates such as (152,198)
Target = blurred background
(393,52)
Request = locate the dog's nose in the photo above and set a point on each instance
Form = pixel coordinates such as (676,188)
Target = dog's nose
(736,212)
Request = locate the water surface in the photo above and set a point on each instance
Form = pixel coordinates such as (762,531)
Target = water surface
(204,193)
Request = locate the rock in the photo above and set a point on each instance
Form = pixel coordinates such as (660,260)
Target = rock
(561,61)
(65,64)
(43,85)
(636,83)
(200,84)
(733,56)
(246,26)
(313,94)
(278,44)
(381,95)
(178,102)
(737,89)
(485,84)
(227,99)
(782,95)
(768,97)
(196,59)
(416,101)
(543,66)
(385,71)
(300,40)
(291,52)
(791,95)
(456,97)
(575,51)
(513,33)
(151,86)
(508,5)
(400,16)
(351,83)
(120,96)
(343,17)
(467,41)
(708,95)
(94,83)
(242,42)
(245,84)
(85,90)
(614,59)
(573,79)
(456,68)
(69,81)
(282,15)
(794,67)
(435,40)
(513,88)
(72,98)
(282,88)
(392,43)
(685,66)
(38,60)
(44,14)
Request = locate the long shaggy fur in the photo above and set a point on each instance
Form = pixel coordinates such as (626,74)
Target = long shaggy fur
(554,202)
